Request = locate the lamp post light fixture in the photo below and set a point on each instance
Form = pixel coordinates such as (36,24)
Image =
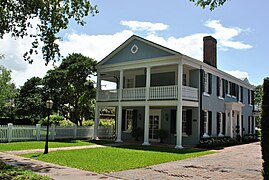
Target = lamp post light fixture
(49,104)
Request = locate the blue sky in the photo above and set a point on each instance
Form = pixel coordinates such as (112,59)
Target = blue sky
(239,26)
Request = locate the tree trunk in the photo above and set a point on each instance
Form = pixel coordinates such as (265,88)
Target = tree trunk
(265,128)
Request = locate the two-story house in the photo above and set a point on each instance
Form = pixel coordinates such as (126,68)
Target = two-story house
(159,88)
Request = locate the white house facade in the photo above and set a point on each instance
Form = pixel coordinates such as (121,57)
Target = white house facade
(159,88)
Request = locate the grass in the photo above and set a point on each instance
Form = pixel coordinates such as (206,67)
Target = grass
(15,173)
(111,159)
(40,144)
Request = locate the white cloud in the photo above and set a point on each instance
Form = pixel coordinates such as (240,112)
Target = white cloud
(144,26)
(239,74)
(99,46)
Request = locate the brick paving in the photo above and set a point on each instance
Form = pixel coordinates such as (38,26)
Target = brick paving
(237,162)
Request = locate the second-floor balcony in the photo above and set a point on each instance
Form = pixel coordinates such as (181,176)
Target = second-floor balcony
(155,93)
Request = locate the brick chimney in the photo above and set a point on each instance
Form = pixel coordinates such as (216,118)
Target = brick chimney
(210,51)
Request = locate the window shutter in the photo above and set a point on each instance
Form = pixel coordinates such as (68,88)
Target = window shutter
(173,121)
(209,83)
(224,123)
(134,119)
(202,74)
(237,92)
(218,123)
(252,98)
(241,94)
(209,123)
(223,88)
(189,122)
(123,119)
(202,119)
(242,120)
(218,90)
(248,124)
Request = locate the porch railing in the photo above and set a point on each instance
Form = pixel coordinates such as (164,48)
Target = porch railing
(155,93)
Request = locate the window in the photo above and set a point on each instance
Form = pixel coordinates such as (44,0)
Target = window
(205,124)
(219,87)
(129,120)
(184,79)
(228,88)
(207,83)
(130,83)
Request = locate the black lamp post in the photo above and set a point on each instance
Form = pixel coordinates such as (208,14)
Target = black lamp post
(49,104)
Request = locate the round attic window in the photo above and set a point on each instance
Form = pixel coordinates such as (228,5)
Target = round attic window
(134,49)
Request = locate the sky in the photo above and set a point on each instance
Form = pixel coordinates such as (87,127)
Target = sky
(240,27)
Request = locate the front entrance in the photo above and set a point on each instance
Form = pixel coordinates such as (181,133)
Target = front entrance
(154,124)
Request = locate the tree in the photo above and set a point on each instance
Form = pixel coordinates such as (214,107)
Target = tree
(7,92)
(30,102)
(211,3)
(18,19)
(265,128)
(70,87)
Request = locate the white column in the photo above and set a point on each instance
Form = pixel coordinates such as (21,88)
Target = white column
(96,122)
(119,122)
(98,86)
(121,85)
(221,124)
(146,128)
(148,82)
(179,108)
(227,123)
(240,124)
(231,123)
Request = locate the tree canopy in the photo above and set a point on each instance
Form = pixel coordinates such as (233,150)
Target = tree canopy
(7,92)
(70,87)
(16,19)
(212,4)
(30,102)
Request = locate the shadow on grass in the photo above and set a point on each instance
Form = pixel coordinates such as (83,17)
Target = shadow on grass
(161,149)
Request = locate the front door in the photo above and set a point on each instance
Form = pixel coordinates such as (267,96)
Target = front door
(154,124)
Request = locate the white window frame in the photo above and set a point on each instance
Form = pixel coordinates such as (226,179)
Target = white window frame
(205,124)
(206,84)
(128,120)
(228,89)
(250,97)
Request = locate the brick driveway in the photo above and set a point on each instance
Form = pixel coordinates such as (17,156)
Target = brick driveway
(237,162)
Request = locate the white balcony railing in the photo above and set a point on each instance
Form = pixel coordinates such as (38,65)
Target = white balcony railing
(160,92)
(134,94)
(163,92)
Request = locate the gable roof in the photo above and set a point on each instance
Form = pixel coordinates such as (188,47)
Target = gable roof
(163,51)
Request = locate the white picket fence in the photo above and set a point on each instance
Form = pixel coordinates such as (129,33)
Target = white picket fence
(12,132)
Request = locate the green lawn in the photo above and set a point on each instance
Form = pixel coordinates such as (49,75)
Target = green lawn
(40,144)
(110,159)
(10,172)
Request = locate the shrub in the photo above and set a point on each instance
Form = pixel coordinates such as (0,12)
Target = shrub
(65,122)
(162,134)
(54,119)
(107,122)
(88,123)
(213,142)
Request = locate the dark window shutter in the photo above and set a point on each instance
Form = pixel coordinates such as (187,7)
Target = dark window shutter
(134,119)
(237,93)
(224,123)
(209,83)
(202,74)
(209,123)
(218,123)
(202,119)
(241,94)
(173,121)
(218,90)
(189,122)
(123,119)
(223,88)
(242,120)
